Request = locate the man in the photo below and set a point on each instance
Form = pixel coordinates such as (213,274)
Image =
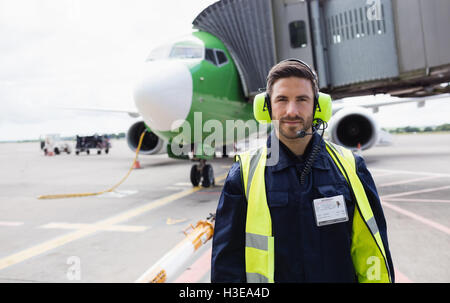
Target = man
(304,219)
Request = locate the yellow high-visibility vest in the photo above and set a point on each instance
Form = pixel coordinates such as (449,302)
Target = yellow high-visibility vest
(367,249)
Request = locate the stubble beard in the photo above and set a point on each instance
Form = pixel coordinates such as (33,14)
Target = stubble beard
(290,132)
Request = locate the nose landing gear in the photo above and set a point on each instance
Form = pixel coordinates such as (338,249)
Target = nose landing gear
(202,172)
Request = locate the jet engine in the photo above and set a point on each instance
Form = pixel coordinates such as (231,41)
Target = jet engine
(151,143)
(351,126)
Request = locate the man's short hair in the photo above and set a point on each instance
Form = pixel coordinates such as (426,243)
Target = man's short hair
(286,69)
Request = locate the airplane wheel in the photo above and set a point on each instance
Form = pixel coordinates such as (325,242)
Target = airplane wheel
(195,175)
(208,176)
(224,152)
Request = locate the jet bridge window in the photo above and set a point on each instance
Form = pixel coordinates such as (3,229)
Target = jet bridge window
(297,34)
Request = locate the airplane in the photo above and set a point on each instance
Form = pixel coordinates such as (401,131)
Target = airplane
(214,73)
(196,76)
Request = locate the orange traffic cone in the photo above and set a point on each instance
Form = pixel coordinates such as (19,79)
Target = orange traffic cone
(358,149)
(137,164)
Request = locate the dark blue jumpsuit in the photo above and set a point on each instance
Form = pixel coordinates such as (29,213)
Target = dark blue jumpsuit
(304,252)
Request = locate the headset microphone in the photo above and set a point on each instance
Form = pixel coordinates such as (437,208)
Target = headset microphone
(302,133)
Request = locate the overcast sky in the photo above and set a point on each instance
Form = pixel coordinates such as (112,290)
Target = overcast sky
(86,53)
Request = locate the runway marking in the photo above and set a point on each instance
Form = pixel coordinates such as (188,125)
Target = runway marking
(401,278)
(381,174)
(67,238)
(197,270)
(10,223)
(408,181)
(171,221)
(183,184)
(408,172)
(416,200)
(210,192)
(172,187)
(415,192)
(96,227)
(118,194)
(416,217)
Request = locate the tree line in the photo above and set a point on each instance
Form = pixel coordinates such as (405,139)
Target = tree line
(414,129)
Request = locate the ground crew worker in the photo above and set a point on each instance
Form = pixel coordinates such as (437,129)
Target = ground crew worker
(314,216)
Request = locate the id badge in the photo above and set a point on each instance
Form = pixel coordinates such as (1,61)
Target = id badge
(330,210)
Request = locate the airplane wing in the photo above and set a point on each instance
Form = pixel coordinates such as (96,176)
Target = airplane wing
(339,104)
(131,112)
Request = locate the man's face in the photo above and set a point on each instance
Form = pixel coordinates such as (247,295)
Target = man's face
(292,105)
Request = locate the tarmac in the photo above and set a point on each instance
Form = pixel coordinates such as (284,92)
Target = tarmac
(116,237)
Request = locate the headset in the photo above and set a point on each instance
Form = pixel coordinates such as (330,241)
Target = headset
(262,109)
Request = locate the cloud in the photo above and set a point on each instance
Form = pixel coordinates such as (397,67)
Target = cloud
(78,53)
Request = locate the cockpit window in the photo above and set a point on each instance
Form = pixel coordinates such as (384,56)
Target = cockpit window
(216,56)
(186,52)
(221,57)
(188,47)
(209,56)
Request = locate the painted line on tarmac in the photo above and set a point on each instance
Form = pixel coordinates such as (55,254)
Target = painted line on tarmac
(416,217)
(406,193)
(390,171)
(67,238)
(408,181)
(416,200)
(95,227)
(10,223)
(378,175)
(401,278)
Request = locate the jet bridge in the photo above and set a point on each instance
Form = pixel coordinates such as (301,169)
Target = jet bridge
(358,47)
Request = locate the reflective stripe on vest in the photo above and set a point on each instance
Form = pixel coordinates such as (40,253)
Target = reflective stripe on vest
(259,244)
(367,250)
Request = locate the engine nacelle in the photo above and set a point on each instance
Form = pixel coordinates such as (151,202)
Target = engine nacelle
(151,144)
(351,126)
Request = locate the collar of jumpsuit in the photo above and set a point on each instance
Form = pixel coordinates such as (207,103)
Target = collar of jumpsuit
(287,158)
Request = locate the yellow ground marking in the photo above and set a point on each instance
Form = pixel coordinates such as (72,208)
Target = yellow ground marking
(96,227)
(78,234)
(171,221)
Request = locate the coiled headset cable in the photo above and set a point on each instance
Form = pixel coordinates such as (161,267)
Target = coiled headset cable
(313,154)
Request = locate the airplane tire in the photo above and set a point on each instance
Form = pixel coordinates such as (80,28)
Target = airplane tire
(224,152)
(195,175)
(208,176)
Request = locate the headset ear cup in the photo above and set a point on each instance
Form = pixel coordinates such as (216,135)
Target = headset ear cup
(324,108)
(261,108)
(268,105)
